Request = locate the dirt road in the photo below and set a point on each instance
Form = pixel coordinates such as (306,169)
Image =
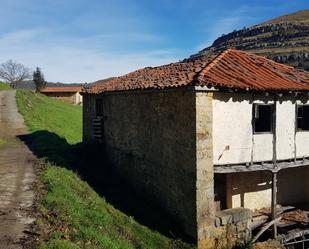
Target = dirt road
(16,174)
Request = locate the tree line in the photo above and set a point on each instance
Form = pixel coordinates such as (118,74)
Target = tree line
(14,73)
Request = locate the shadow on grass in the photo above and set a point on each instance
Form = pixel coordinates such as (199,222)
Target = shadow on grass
(90,162)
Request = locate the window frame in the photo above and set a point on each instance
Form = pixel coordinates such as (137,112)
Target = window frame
(296,118)
(272,108)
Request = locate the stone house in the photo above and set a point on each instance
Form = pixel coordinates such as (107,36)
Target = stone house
(208,137)
(71,95)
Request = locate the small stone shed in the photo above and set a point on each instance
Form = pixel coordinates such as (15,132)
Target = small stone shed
(207,135)
(71,95)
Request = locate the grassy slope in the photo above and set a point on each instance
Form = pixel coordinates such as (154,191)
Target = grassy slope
(4,86)
(43,113)
(299,16)
(82,219)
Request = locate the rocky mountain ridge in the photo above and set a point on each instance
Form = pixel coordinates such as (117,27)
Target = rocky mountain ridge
(284,39)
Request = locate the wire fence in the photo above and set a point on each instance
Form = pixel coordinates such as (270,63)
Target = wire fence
(299,243)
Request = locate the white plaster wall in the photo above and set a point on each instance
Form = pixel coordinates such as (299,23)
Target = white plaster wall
(232,135)
(302,144)
(285,128)
(262,147)
(234,141)
(302,138)
(250,190)
(253,189)
(79,98)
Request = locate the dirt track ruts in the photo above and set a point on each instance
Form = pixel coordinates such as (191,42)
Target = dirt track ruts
(16,174)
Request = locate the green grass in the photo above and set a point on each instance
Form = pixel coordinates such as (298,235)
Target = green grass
(88,221)
(43,113)
(79,217)
(4,86)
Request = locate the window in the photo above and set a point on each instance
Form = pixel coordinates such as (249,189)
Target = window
(302,115)
(99,107)
(262,118)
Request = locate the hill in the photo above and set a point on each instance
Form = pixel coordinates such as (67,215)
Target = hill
(29,84)
(72,215)
(299,16)
(284,39)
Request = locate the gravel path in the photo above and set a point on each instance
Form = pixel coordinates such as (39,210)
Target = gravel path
(16,174)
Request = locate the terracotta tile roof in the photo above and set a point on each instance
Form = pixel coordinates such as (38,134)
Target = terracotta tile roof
(61,89)
(231,69)
(167,76)
(242,70)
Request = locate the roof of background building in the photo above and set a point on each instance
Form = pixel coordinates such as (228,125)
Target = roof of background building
(60,89)
(231,69)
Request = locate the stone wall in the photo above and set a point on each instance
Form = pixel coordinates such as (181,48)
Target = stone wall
(232,230)
(233,227)
(204,170)
(89,114)
(161,141)
(150,138)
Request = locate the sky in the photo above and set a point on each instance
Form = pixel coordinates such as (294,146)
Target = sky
(87,40)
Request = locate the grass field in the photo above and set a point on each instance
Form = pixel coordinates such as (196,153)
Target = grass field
(43,113)
(4,86)
(79,217)
(55,125)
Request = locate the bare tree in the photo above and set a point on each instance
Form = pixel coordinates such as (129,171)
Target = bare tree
(14,72)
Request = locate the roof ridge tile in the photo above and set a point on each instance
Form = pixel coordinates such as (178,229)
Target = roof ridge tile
(214,61)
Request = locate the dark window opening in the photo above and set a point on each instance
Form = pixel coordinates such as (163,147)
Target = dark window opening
(99,107)
(302,116)
(262,117)
(220,191)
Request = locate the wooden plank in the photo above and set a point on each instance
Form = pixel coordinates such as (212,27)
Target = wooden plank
(264,228)
(260,218)
(258,221)
(274,130)
(285,208)
(274,203)
(225,169)
(286,224)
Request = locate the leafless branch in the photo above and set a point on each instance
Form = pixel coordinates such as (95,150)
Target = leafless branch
(14,72)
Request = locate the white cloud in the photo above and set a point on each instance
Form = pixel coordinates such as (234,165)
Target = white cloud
(78,41)
(77,60)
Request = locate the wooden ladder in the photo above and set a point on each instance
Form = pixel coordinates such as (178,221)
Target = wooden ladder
(97,124)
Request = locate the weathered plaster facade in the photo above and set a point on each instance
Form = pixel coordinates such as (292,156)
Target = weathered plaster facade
(233,112)
(74,98)
(235,142)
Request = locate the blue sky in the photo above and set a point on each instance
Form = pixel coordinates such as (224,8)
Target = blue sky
(83,41)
